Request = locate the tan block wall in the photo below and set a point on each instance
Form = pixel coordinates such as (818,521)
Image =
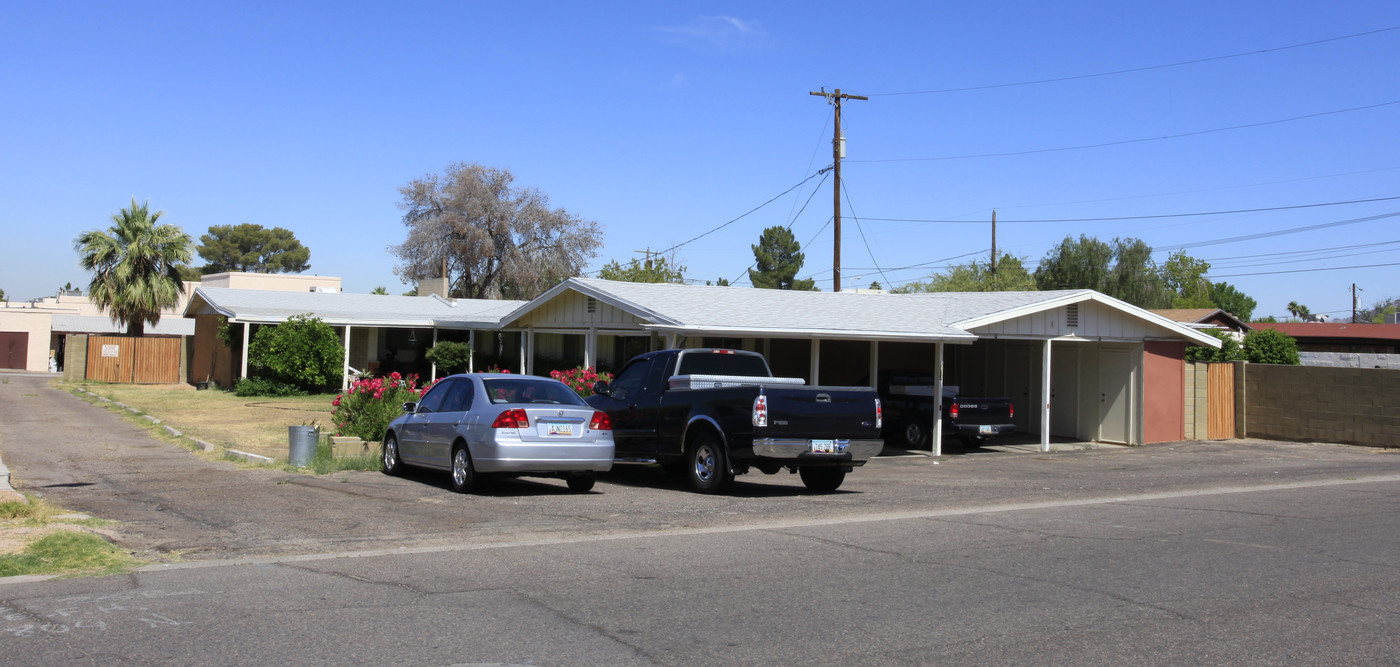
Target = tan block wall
(1358,406)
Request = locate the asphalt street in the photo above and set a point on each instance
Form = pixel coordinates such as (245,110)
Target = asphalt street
(1240,552)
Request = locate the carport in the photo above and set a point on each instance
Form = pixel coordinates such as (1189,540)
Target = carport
(1076,363)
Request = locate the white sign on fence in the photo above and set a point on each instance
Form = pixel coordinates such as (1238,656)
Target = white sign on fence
(110,350)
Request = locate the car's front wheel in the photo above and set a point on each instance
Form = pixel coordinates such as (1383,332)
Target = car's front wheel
(390,455)
(463,475)
(824,479)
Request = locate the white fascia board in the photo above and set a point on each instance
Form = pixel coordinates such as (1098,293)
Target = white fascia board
(1081,296)
(208,308)
(606,297)
(827,334)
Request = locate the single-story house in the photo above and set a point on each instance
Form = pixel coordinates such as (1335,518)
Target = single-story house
(1207,318)
(1343,344)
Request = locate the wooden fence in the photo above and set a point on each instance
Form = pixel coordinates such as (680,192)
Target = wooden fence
(1220,401)
(128,360)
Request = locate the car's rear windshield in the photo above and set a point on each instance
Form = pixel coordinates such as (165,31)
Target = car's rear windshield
(719,363)
(512,390)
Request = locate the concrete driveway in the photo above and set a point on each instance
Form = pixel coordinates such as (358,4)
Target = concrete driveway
(175,504)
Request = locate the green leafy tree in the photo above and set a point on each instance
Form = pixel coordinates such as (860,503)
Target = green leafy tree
(976,276)
(721,282)
(1075,264)
(189,273)
(1135,278)
(1270,346)
(875,285)
(252,248)
(1375,314)
(302,351)
(1229,350)
(1184,277)
(777,258)
(450,356)
(656,270)
(499,241)
(1232,301)
(135,266)
(2,295)
(1269,320)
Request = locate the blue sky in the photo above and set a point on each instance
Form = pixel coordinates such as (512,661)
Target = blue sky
(664,120)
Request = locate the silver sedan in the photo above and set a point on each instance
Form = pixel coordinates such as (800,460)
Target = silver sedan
(494,423)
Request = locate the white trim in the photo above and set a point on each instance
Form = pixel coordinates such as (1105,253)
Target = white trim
(1045,397)
(831,334)
(247,335)
(936,433)
(1080,296)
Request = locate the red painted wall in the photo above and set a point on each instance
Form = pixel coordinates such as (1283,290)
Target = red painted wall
(1164,391)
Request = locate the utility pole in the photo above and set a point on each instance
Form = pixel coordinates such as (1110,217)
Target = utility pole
(648,253)
(1353,303)
(994,250)
(838,151)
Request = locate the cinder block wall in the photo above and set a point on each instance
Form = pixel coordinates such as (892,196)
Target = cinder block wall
(1351,405)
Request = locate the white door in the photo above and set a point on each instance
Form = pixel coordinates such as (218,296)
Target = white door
(1115,395)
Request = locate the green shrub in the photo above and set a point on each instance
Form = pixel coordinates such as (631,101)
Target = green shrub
(265,387)
(1269,346)
(1230,349)
(450,356)
(365,410)
(303,351)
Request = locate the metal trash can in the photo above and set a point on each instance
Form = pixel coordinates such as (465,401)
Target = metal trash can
(301,441)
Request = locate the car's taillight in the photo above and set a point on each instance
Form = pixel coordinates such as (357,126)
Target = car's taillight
(760,409)
(513,418)
(879,415)
(1011,411)
(953,410)
(600,422)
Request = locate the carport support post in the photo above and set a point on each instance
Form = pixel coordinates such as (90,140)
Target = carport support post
(936,433)
(345,369)
(432,370)
(471,343)
(247,328)
(1045,398)
(816,361)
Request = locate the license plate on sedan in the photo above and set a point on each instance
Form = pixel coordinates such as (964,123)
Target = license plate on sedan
(559,429)
(823,446)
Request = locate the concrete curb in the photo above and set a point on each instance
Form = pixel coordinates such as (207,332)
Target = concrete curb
(7,493)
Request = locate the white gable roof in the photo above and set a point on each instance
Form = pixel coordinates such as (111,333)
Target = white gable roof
(739,311)
(340,308)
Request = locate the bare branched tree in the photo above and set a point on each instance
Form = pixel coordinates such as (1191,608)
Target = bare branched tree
(498,241)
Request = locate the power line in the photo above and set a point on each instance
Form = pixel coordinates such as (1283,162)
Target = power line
(1327,268)
(1135,141)
(1140,69)
(1279,232)
(750,211)
(861,229)
(1144,217)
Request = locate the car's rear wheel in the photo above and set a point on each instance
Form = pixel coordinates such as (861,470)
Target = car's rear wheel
(390,455)
(705,464)
(581,482)
(463,475)
(822,479)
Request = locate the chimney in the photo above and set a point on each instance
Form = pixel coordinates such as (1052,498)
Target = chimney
(431,286)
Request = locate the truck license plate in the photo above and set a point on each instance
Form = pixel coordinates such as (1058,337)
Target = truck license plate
(986,429)
(559,429)
(824,446)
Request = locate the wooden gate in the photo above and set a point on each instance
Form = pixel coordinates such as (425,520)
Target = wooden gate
(1220,401)
(128,360)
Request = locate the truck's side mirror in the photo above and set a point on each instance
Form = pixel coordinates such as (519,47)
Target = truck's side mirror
(601,387)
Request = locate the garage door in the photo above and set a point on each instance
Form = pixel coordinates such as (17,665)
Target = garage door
(14,349)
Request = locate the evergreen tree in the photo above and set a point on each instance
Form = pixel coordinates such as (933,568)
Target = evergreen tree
(778,258)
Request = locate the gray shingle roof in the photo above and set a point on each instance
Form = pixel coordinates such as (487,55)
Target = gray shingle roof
(355,309)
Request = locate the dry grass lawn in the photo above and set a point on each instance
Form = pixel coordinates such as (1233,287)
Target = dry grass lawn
(251,424)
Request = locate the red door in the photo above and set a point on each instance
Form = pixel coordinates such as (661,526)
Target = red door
(14,349)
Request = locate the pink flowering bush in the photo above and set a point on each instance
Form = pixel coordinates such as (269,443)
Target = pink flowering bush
(365,410)
(581,379)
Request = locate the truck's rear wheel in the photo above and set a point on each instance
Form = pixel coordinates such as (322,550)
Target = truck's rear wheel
(705,464)
(822,479)
(915,435)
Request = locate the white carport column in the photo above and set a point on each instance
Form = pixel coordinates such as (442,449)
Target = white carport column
(936,433)
(1045,398)
(247,332)
(345,368)
(471,344)
(815,369)
(432,372)
(529,366)
(590,347)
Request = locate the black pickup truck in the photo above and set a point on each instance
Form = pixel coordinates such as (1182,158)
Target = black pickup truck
(908,401)
(712,414)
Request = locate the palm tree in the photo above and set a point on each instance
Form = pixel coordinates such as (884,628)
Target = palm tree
(135,266)
(1298,310)
(380,290)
